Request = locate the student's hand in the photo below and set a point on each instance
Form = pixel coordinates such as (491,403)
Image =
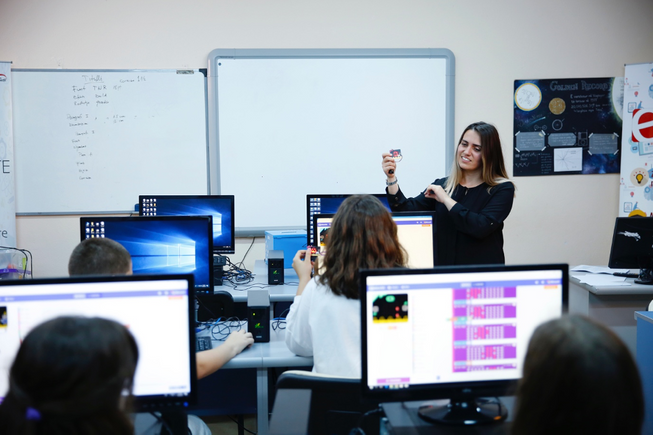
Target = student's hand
(389,164)
(302,265)
(237,341)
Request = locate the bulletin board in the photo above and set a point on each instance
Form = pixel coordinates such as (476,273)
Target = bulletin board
(636,189)
(567,126)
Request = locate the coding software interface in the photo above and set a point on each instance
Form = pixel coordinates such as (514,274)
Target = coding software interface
(220,207)
(327,204)
(160,245)
(448,328)
(155,312)
(415,233)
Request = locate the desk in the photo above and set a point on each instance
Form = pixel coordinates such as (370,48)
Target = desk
(613,306)
(278,293)
(262,356)
(403,420)
(645,363)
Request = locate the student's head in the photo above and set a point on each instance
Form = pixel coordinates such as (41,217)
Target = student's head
(492,164)
(71,375)
(578,377)
(362,236)
(99,256)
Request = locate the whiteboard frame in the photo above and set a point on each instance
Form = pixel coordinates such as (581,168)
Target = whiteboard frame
(202,71)
(212,94)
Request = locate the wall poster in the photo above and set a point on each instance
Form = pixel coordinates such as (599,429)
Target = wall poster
(636,192)
(567,126)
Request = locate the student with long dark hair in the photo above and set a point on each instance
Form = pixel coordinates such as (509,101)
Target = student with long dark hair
(71,375)
(470,204)
(579,378)
(324,319)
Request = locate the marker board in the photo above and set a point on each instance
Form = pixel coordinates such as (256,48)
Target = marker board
(287,123)
(92,141)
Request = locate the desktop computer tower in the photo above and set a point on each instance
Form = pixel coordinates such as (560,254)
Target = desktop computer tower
(258,315)
(275,267)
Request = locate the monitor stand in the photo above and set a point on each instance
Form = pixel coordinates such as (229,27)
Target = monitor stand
(468,411)
(645,277)
(174,422)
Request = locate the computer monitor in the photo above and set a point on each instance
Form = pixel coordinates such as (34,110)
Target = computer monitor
(157,310)
(457,332)
(632,246)
(221,207)
(161,244)
(415,231)
(327,204)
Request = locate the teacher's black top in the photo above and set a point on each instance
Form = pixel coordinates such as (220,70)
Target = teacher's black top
(472,231)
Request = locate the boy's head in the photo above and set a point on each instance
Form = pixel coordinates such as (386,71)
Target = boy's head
(100,256)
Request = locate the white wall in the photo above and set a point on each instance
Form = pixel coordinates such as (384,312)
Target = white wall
(554,219)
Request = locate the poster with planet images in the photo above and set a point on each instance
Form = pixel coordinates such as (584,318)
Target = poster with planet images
(636,191)
(567,126)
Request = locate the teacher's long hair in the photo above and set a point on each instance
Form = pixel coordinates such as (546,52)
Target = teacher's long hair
(362,236)
(493,170)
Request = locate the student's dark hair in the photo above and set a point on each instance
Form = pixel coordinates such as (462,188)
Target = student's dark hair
(493,166)
(69,377)
(99,256)
(362,236)
(579,378)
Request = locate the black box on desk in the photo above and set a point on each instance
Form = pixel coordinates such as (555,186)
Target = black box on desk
(258,315)
(275,267)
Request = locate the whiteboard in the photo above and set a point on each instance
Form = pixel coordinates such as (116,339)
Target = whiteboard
(91,141)
(287,123)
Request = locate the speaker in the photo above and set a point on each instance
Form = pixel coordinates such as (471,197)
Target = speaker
(258,314)
(275,267)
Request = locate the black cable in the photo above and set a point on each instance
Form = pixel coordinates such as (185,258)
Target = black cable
(241,426)
(358,429)
(280,321)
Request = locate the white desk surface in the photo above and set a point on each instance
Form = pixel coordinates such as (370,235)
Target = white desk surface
(278,293)
(631,289)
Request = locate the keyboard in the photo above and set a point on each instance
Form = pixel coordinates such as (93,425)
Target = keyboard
(203,343)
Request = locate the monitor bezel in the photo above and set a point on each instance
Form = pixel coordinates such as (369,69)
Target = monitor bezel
(397,214)
(344,196)
(223,249)
(207,218)
(151,402)
(459,390)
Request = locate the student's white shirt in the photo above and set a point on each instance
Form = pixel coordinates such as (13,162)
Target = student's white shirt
(327,327)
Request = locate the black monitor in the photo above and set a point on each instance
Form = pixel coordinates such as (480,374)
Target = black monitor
(327,204)
(159,311)
(458,333)
(632,246)
(161,244)
(221,207)
(415,231)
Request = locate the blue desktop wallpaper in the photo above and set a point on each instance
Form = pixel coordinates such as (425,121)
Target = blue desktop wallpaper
(162,245)
(219,208)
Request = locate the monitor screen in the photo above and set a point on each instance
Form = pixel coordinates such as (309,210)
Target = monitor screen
(415,231)
(458,332)
(632,243)
(221,207)
(157,310)
(161,244)
(327,204)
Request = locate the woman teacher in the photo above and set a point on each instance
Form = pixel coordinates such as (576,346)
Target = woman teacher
(470,204)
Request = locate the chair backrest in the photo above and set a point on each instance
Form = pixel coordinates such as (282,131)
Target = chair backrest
(336,403)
